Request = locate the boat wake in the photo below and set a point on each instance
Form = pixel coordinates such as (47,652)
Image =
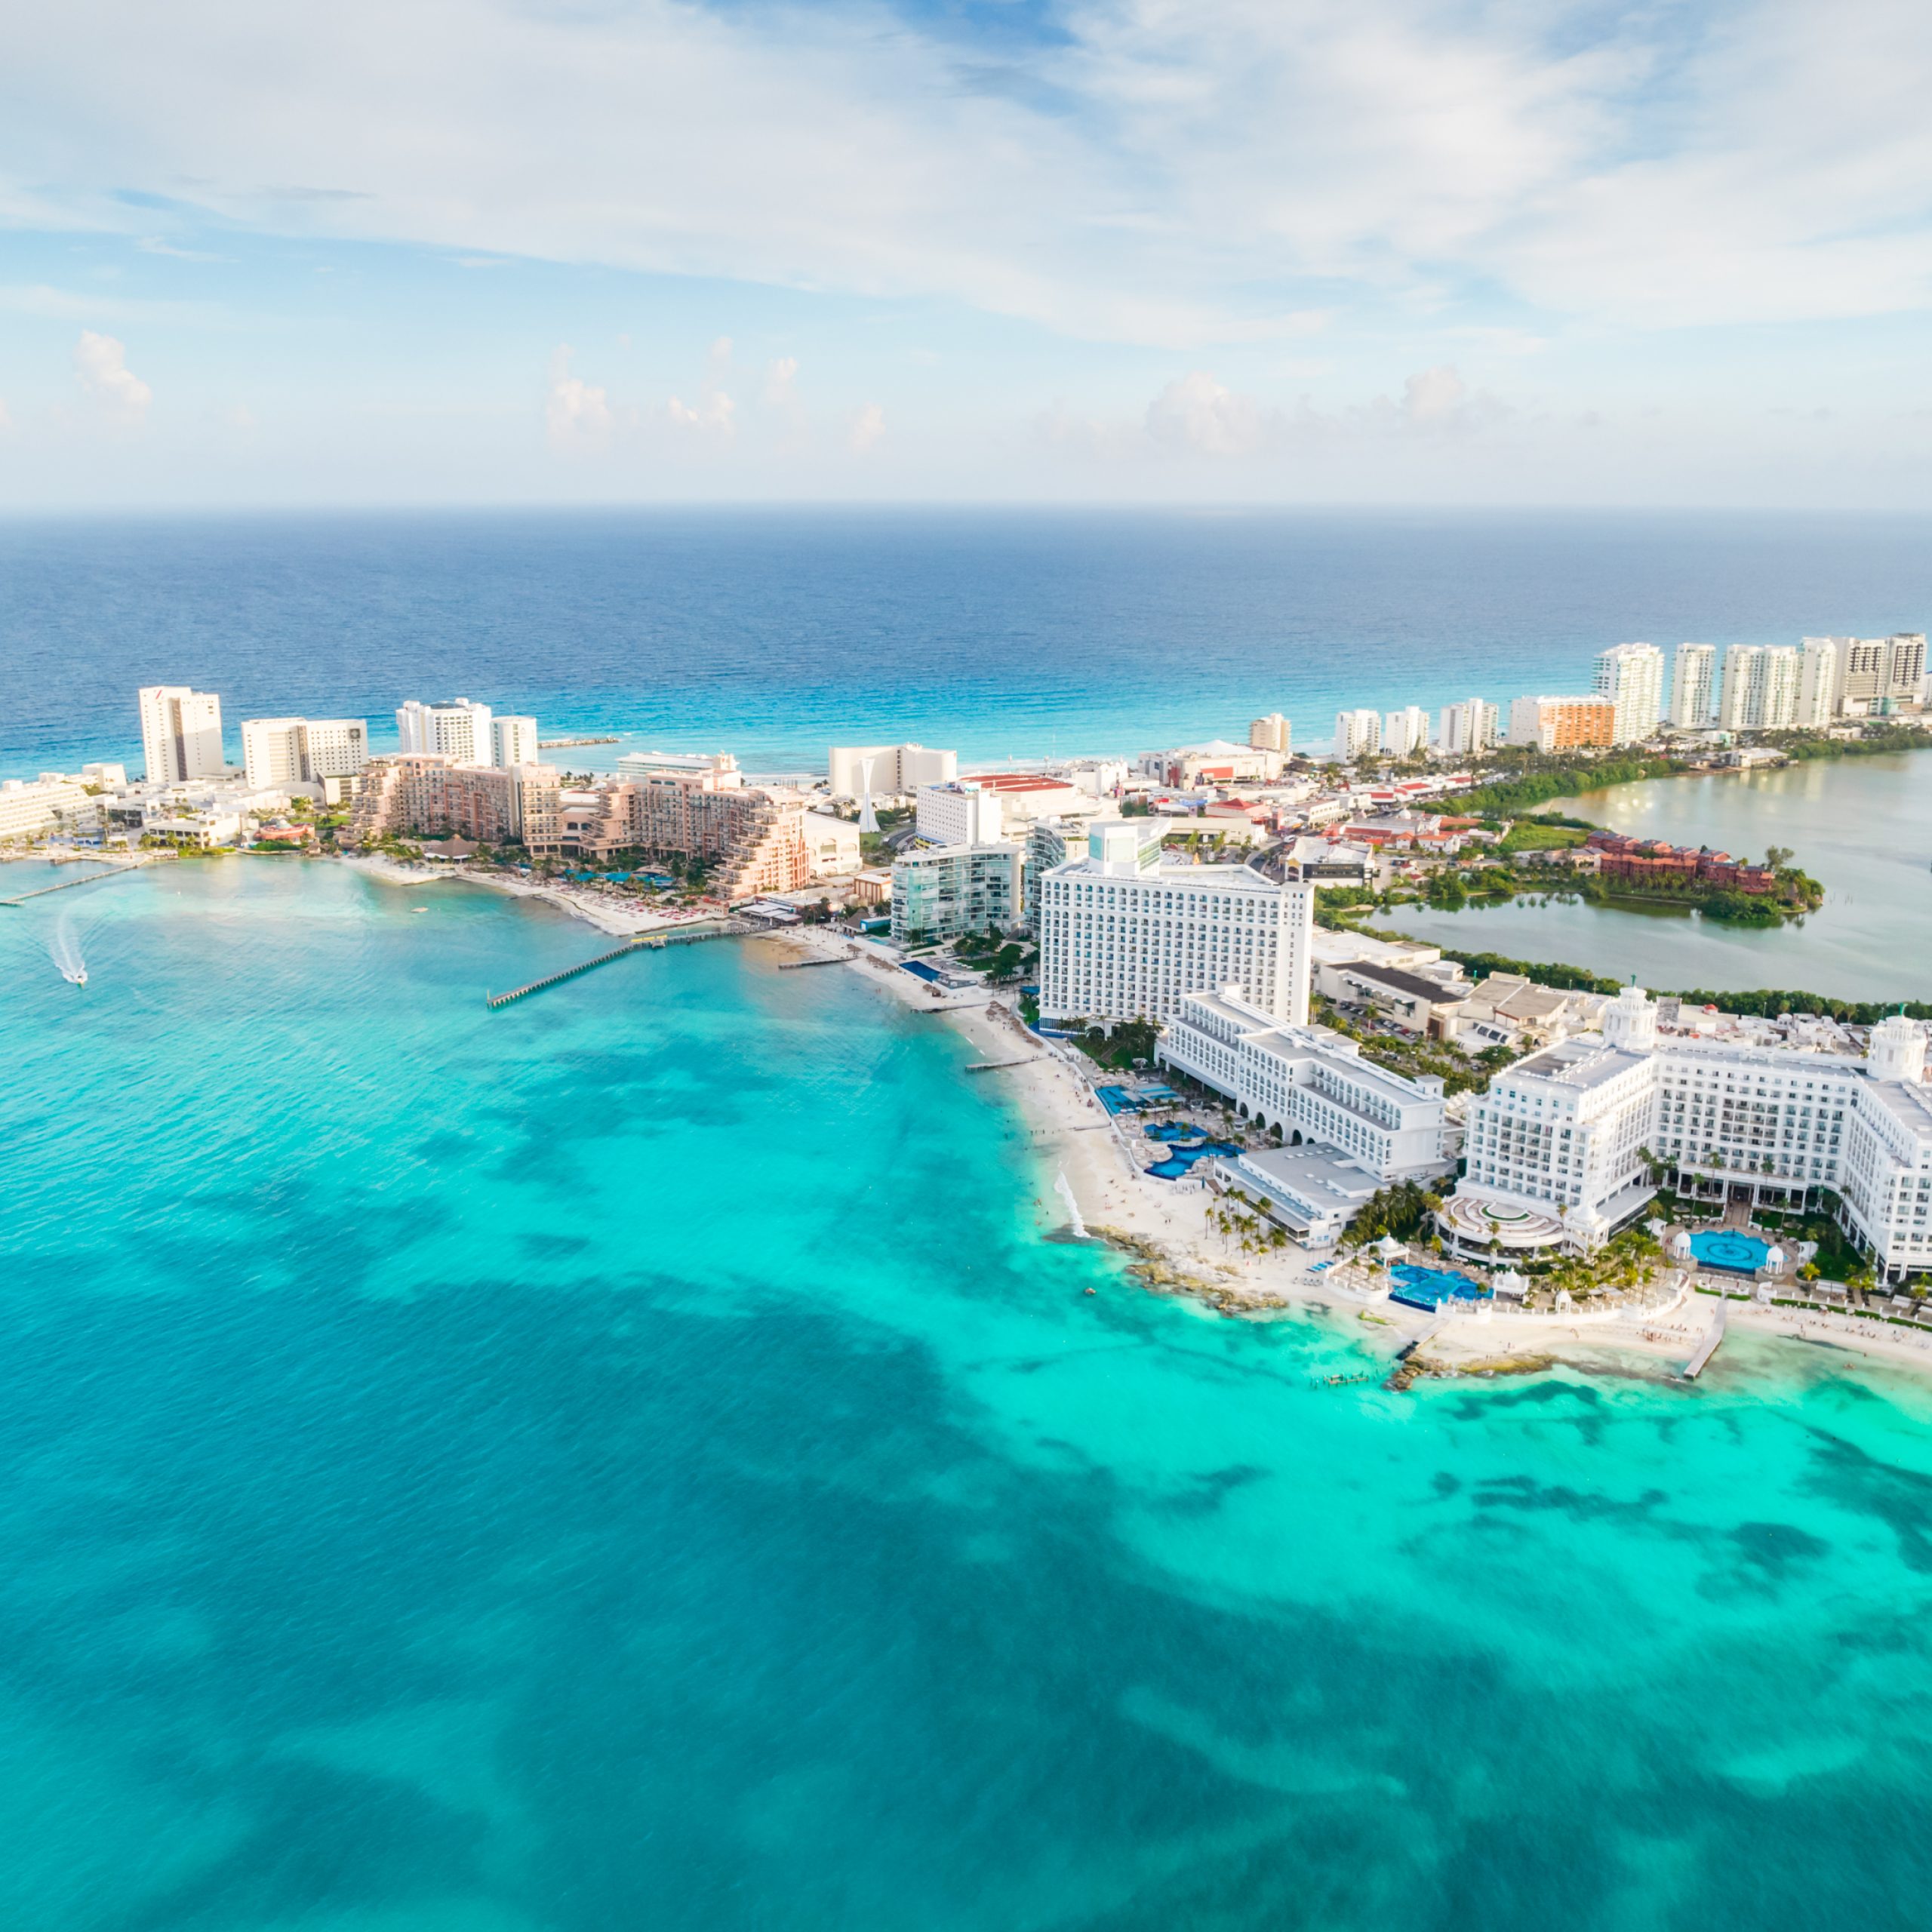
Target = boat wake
(66,948)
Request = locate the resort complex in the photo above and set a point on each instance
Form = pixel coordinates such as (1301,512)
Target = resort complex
(1196,902)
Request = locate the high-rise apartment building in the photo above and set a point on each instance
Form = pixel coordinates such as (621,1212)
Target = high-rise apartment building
(181,734)
(1817,683)
(1761,687)
(1562,724)
(1405,732)
(1050,843)
(302,751)
(1693,686)
(1467,728)
(513,742)
(1124,935)
(1631,676)
(943,890)
(1357,734)
(1272,734)
(460,729)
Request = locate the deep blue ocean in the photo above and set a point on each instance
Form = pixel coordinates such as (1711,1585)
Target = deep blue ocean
(778,632)
(640,1459)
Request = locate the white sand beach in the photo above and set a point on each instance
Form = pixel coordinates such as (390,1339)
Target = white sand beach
(1164,1227)
(608,913)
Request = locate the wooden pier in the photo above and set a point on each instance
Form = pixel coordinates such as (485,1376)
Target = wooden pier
(1708,1347)
(799,965)
(637,943)
(994,1065)
(68,884)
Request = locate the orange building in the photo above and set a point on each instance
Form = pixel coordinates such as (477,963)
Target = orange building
(1562,724)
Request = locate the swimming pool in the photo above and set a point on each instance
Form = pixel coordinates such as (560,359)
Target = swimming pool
(1180,1161)
(1730,1253)
(1417,1287)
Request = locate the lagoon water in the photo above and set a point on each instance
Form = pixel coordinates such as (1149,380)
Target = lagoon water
(633,1460)
(1862,826)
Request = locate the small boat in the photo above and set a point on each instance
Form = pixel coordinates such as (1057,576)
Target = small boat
(78,977)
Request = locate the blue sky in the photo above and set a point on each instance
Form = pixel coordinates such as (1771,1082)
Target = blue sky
(1266,251)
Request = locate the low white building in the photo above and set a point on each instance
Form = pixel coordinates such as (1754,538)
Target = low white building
(1313,1194)
(1310,1084)
(836,844)
(1419,1003)
(988,807)
(1217,762)
(31,808)
(1124,935)
(886,771)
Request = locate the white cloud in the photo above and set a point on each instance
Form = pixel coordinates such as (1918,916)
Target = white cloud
(868,427)
(100,366)
(714,413)
(1217,173)
(1202,416)
(1437,402)
(1199,415)
(576,416)
(779,379)
(153,245)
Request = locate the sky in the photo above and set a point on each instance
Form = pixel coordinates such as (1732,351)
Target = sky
(1292,251)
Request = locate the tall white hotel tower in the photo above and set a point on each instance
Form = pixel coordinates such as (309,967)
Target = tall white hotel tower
(1123,937)
(181,734)
(1631,675)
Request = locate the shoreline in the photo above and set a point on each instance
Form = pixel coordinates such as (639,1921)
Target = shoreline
(1160,1232)
(607,916)
(1159,1228)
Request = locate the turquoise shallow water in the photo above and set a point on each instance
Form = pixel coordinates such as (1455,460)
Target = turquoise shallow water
(631,1460)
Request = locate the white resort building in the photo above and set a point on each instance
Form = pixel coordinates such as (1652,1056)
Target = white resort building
(1347,1126)
(1558,1149)
(1311,1084)
(1124,935)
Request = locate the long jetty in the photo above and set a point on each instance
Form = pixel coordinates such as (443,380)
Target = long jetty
(68,884)
(637,943)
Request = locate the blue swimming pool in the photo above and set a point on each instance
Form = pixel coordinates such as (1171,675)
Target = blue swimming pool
(1730,1253)
(1417,1287)
(1180,1160)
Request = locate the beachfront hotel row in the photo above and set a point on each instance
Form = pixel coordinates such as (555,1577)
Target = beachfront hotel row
(1215,947)
(1563,1149)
